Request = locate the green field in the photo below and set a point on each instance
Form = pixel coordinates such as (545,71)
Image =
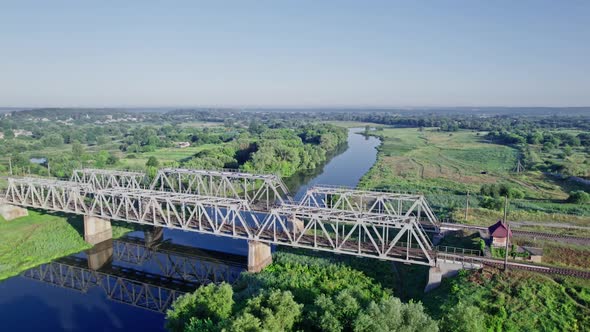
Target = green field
(39,238)
(445,166)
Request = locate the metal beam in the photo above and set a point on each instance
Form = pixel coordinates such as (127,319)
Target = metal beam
(383,202)
(356,233)
(261,191)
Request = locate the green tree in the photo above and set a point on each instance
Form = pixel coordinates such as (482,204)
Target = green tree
(101,159)
(275,310)
(77,150)
(579,197)
(152,162)
(112,159)
(391,314)
(8,134)
(192,310)
(463,318)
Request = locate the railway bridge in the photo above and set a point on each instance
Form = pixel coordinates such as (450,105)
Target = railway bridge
(253,207)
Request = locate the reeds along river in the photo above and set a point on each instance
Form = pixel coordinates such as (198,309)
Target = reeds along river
(132,289)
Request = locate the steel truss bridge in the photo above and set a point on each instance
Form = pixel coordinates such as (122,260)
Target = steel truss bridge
(179,271)
(338,220)
(180,262)
(260,191)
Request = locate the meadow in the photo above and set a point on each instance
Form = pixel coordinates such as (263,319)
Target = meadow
(41,237)
(445,167)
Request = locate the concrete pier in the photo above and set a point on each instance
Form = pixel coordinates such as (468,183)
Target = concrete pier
(446,269)
(97,230)
(297,225)
(100,255)
(153,236)
(10,212)
(259,256)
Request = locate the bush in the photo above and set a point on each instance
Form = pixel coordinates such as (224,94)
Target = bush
(492,203)
(579,197)
(208,303)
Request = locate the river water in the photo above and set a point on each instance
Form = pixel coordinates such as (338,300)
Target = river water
(144,272)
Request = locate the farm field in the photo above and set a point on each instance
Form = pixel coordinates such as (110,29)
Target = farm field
(445,166)
(167,156)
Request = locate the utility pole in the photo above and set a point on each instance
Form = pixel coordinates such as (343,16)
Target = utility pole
(467,206)
(507,233)
(48,168)
(10,165)
(519,167)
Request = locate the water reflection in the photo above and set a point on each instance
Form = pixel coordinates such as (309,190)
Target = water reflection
(144,272)
(127,284)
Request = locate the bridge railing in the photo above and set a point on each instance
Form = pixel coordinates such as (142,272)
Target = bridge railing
(457,251)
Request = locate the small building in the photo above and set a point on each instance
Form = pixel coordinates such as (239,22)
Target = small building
(533,254)
(499,233)
(183,145)
(1,135)
(21,132)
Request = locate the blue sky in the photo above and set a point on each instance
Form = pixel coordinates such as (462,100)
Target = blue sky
(295,53)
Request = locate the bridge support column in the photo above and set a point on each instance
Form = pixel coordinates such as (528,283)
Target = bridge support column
(259,256)
(10,212)
(297,225)
(97,230)
(443,270)
(100,255)
(153,236)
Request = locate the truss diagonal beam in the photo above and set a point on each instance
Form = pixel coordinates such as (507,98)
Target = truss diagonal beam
(388,203)
(359,233)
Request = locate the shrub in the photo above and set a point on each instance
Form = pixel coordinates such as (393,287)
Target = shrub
(579,197)
(208,303)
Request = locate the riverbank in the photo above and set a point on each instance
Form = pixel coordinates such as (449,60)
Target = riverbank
(450,168)
(40,238)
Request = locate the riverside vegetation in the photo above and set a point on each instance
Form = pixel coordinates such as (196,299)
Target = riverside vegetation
(440,155)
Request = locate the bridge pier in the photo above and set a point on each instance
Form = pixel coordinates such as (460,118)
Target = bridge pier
(259,256)
(446,269)
(153,236)
(297,225)
(100,255)
(97,230)
(10,212)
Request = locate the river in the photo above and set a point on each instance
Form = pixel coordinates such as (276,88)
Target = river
(137,283)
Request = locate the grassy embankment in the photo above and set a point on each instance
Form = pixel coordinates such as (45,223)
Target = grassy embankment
(444,166)
(491,300)
(39,238)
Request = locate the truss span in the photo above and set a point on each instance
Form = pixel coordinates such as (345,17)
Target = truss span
(102,178)
(389,203)
(261,191)
(366,234)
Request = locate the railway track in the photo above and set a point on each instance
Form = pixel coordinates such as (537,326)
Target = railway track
(529,234)
(549,236)
(542,269)
(498,263)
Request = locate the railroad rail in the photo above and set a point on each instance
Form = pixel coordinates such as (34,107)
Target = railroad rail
(513,265)
(516,232)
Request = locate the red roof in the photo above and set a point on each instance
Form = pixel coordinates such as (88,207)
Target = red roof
(499,229)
